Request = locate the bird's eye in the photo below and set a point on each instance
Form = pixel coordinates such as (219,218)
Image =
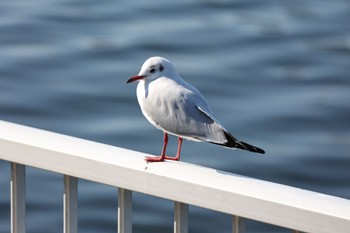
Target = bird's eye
(152,70)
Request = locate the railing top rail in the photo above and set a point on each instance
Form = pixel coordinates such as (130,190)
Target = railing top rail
(205,187)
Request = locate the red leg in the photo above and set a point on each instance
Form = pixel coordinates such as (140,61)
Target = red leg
(162,156)
(177,157)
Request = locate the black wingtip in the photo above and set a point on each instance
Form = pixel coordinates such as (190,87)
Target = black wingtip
(234,143)
(248,147)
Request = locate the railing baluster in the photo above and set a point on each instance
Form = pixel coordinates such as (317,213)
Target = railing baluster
(124,211)
(70,204)
(18,198)
(238,224)
(180,217)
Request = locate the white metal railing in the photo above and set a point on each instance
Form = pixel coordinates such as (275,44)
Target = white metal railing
(185,184)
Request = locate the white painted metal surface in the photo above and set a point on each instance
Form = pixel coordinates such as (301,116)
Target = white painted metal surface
(70,205)
(238,224)
(250,198)
(124,211)
(180,217)
(18,198)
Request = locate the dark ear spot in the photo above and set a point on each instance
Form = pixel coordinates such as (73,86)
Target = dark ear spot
(161,67)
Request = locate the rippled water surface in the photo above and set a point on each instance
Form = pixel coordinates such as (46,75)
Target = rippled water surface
(276,73)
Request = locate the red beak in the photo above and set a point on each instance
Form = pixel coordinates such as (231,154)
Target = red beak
(135,78)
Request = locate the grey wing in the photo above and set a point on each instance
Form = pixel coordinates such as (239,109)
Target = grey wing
(214,133)
(200,122)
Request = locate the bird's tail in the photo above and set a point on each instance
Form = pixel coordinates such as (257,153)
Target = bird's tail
(232,142)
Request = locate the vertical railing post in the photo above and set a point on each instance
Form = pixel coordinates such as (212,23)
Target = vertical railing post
(18,198)
(70,204)
(180,217)
(124,211)
(238,224)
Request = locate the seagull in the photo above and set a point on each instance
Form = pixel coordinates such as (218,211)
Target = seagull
(176,107)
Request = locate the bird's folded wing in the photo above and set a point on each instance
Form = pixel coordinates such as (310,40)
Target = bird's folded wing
(210,115)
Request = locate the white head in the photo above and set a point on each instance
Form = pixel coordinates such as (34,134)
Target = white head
(153,68)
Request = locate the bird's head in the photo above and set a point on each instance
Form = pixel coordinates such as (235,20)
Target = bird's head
(153,68)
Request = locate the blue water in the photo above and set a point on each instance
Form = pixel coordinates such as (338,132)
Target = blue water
(276,73)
